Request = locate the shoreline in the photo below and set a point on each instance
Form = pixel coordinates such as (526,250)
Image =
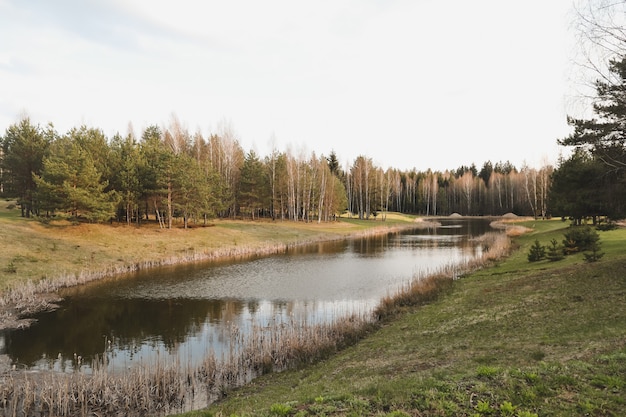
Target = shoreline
(284,349)
(19,303)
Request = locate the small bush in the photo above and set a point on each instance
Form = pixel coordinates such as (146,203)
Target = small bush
(594,247)
(603,227)
(537,252)
(281,409)
(554,251)
(579,239)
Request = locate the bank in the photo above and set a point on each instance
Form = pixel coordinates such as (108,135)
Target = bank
(37,258)
(515,339)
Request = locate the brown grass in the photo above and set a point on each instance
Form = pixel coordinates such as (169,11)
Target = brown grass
(425,288)
(166,387)
(38,259)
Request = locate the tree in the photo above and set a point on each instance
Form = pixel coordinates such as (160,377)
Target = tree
(191,189)
(70,183)
(579,188)
(254,186)
(604,137)
(23,149)
(156,174)
(537,252)
(126,162)
(360,175)
(601,29)
(554,252)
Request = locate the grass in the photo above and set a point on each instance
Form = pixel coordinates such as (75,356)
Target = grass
(516,339)
(32,250)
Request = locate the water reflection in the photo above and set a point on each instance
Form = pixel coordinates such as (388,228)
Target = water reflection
(180,313)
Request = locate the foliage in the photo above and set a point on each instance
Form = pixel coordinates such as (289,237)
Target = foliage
(70,183)
(23,149)
(593,254)
(604,139)
(579,187)
(554,252)
(537,252)
(579,239)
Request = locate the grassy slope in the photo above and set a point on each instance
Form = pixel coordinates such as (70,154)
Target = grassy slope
(517,339)
(31,250)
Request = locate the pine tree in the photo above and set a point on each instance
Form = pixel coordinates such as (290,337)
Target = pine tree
(23,149)
(70,183)
(554,251)
(537,252)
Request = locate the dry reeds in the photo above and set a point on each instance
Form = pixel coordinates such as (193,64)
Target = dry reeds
(426,287)
(159,387)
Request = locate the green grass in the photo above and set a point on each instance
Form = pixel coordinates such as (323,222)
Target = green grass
(516,339)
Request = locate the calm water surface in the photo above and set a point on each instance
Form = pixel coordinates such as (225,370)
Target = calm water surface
(182,313)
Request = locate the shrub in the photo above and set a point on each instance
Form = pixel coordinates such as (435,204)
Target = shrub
(537,252)
(595,253)
(603,227)
(554,251)
(579,239)
(281,409)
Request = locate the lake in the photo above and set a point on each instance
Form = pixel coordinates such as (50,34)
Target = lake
(181,313)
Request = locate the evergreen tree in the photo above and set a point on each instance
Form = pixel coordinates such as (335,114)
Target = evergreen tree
(126,162)
(157,175)
(254,187)
(605,136)
(578,188)
(593,248)
(537,252)
(23,149)
(554,251)
(70,183)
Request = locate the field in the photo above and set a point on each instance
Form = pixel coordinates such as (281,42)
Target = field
(515,339)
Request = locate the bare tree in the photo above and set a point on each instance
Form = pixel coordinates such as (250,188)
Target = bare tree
(600,27)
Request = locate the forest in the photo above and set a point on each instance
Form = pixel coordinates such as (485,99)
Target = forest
(172,176)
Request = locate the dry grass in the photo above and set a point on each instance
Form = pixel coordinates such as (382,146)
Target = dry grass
(157,388)
(425,288)
(167,387)
(38,258)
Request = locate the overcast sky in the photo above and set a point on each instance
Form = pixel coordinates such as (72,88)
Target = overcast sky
(411,84)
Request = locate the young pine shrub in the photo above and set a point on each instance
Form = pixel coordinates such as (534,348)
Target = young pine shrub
(554,252)
(579,239)
(594,247)
(537,252)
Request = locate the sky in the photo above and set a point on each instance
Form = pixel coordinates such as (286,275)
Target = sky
(422,84)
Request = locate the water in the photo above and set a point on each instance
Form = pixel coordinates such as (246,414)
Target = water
(182,313)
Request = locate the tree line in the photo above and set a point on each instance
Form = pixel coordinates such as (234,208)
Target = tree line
(169,174)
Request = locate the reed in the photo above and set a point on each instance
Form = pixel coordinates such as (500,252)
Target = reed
(427,286)
(163,387)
